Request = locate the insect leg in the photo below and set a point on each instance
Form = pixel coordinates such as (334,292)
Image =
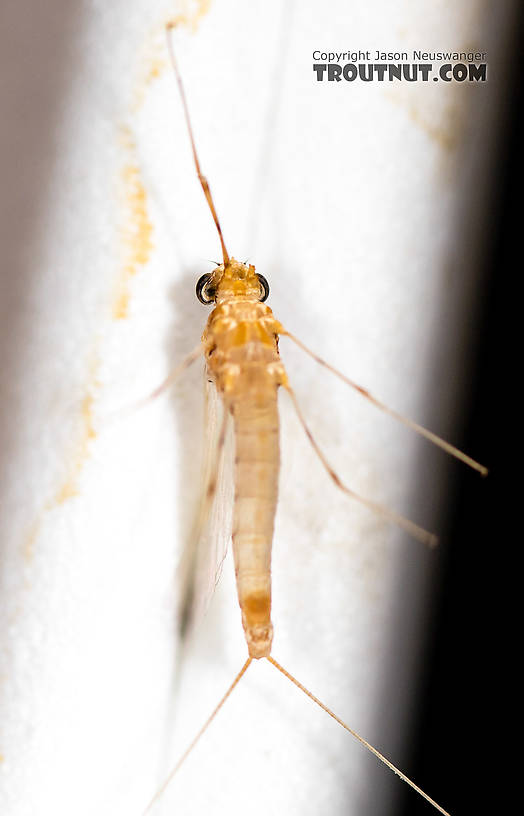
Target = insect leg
(441,443)
(173,376)
(164,386)
(410,527)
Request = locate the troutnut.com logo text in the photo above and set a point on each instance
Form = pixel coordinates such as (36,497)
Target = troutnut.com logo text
(391,66)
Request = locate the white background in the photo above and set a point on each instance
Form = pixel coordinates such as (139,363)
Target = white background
(364,205)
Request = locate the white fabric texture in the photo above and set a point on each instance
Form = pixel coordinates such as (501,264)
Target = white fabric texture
(364,205)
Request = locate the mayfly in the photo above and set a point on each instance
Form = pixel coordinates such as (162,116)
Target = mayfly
(240,346)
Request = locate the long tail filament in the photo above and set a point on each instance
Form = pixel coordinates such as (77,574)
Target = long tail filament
(204,728)
(357,736)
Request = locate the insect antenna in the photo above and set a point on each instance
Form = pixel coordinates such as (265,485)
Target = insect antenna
(204,728)
(201,177)
(357,736)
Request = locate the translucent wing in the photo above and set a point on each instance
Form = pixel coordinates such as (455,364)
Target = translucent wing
(211,531)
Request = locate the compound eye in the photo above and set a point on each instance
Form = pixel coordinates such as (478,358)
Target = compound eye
(264,288)
(204,292)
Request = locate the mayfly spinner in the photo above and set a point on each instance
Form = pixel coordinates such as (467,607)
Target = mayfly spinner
(240,346)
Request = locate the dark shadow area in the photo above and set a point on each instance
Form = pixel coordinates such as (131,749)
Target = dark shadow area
(188,400)
(464,669)
(38,52)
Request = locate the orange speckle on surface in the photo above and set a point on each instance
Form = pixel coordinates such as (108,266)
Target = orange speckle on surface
(444,124)
(138,229)
(76,458)
(153,60)
(67,491)
(30,539)
(87,414)
(155,68)
(80,454)
(445,133)
(190,17)
(151,68)
(137,245)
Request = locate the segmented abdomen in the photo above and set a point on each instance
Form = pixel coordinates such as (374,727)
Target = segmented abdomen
(243,360)
(256,492)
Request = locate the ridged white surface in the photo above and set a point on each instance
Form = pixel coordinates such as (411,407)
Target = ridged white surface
(363,206)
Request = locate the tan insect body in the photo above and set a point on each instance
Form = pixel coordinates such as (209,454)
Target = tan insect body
(241,350)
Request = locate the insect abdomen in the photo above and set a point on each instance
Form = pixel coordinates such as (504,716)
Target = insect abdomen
(256,490)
